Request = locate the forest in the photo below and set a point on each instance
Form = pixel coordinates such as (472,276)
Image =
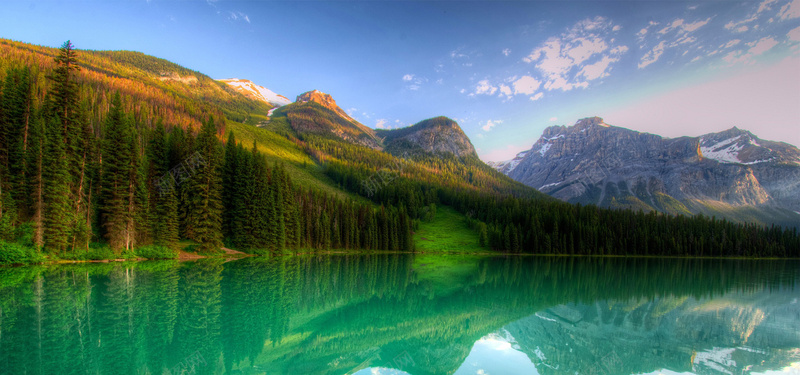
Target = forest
(74,188)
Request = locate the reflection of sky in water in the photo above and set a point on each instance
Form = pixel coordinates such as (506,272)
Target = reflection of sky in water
(496,355)
(380,371)
(491,355)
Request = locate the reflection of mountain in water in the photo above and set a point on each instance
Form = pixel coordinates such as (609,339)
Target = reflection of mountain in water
(342,314)
(729,334)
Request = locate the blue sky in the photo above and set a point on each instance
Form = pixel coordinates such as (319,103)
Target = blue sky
(503,70)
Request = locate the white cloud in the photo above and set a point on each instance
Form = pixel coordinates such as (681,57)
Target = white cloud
(618,50)
(691,27)
(506,52)
(505,90)
(490,124)
(756,48)
(761,46)
(736,25)
(553,119)
(463,91)
(616,28)
(672,26)
(526,85)
(652,55)
(731,43)
(236,16)
(585,48)
(537,97)
(597,70)
(562,59)
(381,124)
(683,27)
(791,10)
(485,88)
(413,82)
(794,34)
(765,5)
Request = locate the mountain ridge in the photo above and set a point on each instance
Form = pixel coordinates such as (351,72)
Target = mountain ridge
(593,162)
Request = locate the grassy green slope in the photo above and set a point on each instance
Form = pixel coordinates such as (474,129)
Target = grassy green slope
(447,233)
(303,169)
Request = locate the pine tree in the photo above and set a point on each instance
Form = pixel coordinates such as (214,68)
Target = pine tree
(57,213)
(117,171)
(280,228)
(204,215)
(165,200)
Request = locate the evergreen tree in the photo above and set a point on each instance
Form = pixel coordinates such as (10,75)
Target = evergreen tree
(57,213)
(117,171)
(279,229)
(204,220)
(165,200)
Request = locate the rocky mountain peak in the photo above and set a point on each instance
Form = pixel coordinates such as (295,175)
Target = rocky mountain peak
(323,99)
(589,122)
(438,134)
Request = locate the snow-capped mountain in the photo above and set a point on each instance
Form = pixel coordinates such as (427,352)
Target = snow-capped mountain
(257,92)
(731,173)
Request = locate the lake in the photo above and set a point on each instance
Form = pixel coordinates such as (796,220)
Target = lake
(402,314)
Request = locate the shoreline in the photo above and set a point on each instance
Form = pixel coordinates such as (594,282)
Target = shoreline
(235,254)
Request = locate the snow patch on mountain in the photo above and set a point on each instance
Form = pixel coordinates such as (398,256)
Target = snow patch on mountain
(257,92)
(549,185)
(544,148)
(726,151)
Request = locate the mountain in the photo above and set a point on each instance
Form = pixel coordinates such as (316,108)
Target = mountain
(732,173)
(256,92)
(436,135)
(316,113)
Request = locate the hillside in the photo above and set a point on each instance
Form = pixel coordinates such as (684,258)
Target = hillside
(731,174)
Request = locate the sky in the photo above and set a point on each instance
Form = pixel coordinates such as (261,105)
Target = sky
(504,70)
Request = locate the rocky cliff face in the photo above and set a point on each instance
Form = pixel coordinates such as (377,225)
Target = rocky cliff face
(436,135)
(731,173)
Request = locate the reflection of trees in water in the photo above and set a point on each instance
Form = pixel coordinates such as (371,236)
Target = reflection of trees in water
(334,314)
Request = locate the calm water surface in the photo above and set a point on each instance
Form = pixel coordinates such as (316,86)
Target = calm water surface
(402,314)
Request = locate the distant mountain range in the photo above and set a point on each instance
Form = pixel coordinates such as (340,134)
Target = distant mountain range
(731,174)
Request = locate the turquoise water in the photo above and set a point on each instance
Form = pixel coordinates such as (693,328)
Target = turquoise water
(402,314)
